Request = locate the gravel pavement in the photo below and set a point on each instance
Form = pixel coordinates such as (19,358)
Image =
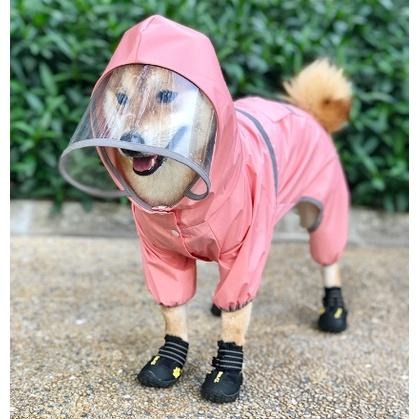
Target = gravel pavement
(83,323)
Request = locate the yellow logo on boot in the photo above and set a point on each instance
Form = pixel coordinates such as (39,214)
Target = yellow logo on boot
(218,377)
(176,372)
(338,313)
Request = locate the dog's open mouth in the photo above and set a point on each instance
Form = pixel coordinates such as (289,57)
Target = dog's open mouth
(146,165)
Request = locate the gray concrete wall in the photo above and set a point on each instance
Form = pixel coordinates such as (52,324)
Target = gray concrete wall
(367,227)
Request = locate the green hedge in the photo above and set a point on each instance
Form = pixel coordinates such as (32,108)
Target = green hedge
(60,47)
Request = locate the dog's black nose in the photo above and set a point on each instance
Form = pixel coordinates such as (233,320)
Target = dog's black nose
(133,138)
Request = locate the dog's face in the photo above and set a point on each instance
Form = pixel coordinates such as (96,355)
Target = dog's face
(153,106)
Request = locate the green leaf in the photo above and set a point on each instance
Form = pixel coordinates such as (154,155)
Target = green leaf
(47,79)
(34,102)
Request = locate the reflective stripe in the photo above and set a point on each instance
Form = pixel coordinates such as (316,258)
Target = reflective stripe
(229,361)
(230,367)
(173,351)
(185,350)
(171,355)
(268,143)
(231,351)
(232,358)
(172,358)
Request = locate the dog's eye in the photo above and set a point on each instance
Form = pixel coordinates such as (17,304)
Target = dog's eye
(122,98)
(166,96)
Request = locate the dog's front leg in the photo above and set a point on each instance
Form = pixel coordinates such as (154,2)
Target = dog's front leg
(223,383)
(175,321)
(165,368)
(235,325)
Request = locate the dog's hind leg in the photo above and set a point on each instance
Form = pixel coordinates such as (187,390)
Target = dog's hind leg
(331,275)
(309,214)
(327,228)
(333,315)
(223,383)
(165,368)
(309,217)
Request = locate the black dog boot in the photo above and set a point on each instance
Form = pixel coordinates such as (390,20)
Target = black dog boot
(222,384)
(165,368)
(333,314)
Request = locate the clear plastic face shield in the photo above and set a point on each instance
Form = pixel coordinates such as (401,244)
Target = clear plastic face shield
(152,129)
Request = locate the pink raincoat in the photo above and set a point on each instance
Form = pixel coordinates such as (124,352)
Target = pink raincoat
(268,157)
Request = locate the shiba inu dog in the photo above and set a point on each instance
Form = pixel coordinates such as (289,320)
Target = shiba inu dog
(209,177)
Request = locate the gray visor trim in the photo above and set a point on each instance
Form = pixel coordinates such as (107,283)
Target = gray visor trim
(102,143)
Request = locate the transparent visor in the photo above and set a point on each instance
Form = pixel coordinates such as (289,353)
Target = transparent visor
(154,132)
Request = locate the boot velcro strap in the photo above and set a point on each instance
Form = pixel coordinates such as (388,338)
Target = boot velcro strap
(174,351)
(231,353)
(333,297)
(228,359)
(226,364)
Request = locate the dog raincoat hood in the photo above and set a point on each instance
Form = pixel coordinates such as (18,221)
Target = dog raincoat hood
(189,59)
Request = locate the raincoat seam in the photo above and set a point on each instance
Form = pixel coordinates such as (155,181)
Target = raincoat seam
(267,142)
(215,238)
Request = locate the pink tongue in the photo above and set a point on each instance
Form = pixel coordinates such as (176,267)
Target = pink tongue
(141,164)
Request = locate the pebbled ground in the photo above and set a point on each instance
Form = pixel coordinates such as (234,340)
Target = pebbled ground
(83,323)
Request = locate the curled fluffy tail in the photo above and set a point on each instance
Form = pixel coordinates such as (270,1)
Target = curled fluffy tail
(322,90)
